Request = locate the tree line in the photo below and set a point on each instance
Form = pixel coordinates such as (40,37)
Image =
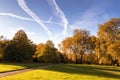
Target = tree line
(81,47)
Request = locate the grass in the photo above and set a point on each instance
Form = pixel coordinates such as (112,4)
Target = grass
(5,67)
(70,72)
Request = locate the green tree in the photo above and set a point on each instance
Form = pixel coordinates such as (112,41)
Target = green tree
(19,49)
(3,43)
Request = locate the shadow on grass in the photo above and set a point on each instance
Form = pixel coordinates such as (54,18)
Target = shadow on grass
(21,66)
(27,65)
(100,71)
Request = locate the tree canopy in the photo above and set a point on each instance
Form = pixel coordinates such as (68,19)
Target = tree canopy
(81,47)
(19,49)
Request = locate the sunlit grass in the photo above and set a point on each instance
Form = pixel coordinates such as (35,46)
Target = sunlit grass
(15,66)
(69,72)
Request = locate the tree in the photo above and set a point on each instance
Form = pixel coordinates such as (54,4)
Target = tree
(50,43)
(114,51)
(77,44)
(101,53)
(47,53)
(81,42)
(91,56)
(19,49)
(110,31)
(109,36)
(38,52)
(20,36)
(3,43)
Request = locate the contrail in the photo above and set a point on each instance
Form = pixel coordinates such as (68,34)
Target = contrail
(60,14)
(29,19)
(49,20)
(15,16)
(23,5)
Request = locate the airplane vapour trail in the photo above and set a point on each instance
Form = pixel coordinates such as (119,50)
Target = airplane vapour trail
(23,5)
(61,15)
(15,16)
(28,19)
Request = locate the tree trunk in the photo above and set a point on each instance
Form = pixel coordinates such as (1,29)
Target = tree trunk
(81,59)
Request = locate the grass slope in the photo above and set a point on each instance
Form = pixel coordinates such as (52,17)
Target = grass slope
(70,72)
(4,67)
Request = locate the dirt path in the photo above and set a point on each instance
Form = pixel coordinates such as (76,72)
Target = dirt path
(20,71)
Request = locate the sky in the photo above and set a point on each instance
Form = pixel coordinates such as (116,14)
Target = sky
(54,20)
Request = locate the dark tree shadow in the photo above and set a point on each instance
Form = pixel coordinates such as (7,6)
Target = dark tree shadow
(24,65)
(100,71)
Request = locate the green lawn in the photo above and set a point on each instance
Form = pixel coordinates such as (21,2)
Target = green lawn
(70,72)
(15,66)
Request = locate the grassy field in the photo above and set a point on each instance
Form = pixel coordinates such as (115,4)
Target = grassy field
(4,67)
(69,72)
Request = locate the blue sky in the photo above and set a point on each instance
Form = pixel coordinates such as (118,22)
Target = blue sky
(54,19)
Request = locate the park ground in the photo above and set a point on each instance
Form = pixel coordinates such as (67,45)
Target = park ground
(61,72)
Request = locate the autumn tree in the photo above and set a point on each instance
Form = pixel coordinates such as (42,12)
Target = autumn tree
(66,50)
(110,31)
(109,36)
(38,52)
(101,53)
(90,56)
(77,44)
(47,53)
(114,52)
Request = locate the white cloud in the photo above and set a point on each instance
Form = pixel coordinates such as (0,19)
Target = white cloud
(61,15)
(15,16)
(23,5)
(90,19)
